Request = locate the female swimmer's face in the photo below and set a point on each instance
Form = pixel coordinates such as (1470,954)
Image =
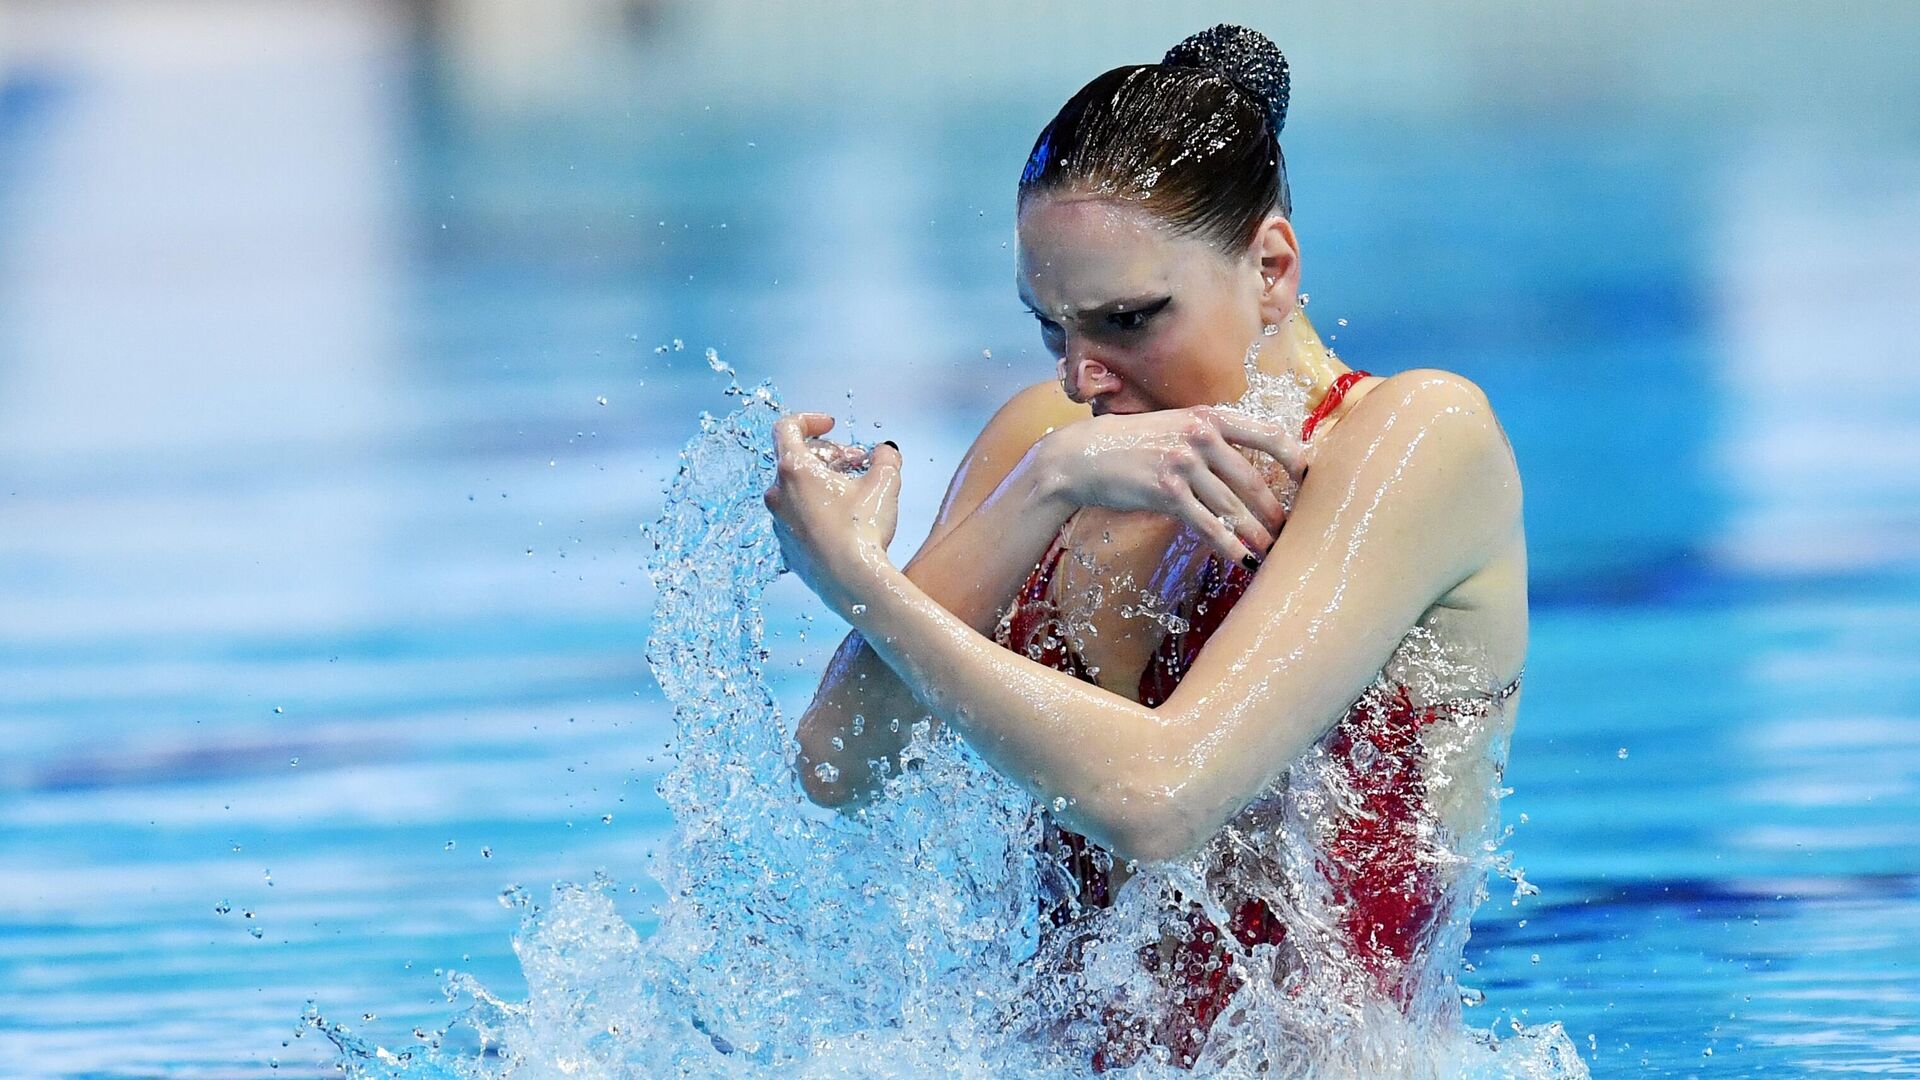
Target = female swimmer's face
(1138,317)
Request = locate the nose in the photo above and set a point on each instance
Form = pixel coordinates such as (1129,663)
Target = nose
(1084,376)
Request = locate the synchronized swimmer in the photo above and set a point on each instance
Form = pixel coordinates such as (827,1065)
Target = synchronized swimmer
(1154,245)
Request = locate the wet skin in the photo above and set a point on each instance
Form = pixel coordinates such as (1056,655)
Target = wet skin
(1408,514)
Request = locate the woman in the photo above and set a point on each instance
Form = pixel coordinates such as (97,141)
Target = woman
(1154,248)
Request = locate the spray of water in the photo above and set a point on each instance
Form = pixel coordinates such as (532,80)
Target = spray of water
(907,942)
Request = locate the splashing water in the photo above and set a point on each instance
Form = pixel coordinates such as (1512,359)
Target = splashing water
(907,941)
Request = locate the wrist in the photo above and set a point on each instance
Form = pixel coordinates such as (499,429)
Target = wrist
(1043,479)
(861,574)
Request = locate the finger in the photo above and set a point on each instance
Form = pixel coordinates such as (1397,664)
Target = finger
(1266,436)
(1223,503)
(882,480)
(838,456)
(1247,482)
(1203,521)
(791,431)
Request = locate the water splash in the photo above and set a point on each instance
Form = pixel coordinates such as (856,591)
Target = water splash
(907,941)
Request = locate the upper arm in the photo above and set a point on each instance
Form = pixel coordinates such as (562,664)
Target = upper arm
(1008,436)
(1413,492)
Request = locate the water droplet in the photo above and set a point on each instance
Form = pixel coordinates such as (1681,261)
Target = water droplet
(606,819)
(450,845)
(1621,753)
(277,709)
(256,932)
(222,908)
(826,772)
(1059,803)
(1341,322)
(859,609)
(601,399)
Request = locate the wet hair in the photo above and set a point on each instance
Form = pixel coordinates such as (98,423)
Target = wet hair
(1195,139)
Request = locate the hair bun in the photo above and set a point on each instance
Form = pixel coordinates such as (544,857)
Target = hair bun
(1248,58)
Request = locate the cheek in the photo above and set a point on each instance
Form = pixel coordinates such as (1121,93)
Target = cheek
(1164,371)
(1193,364)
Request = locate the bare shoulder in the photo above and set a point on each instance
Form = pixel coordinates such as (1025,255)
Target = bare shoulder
(1033,412)
(1435,390)
(1428,431)
(1012,430)
(1420,402)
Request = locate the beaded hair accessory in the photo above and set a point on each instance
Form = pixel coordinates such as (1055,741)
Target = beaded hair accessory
(1247,58)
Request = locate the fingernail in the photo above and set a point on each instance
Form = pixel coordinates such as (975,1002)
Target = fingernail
(890,442)
(1250,561)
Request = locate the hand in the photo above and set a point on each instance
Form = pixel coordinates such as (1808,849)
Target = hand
(834,524)
(1182,463)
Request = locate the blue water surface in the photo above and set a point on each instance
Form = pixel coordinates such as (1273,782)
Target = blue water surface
(332,403)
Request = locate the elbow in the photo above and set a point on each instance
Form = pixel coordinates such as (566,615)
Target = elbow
(833,779)
(830,796)
(823,778)
(1151,823)
(825,783)
(1160,839)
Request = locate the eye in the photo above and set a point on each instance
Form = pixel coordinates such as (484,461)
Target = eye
(1050,332)
(1131,321)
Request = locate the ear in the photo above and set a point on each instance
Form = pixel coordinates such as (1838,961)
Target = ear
(1277,251)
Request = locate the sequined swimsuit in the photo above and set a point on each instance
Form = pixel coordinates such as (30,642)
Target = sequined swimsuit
(1390,896)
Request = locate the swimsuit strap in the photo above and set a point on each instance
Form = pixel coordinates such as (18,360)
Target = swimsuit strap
(1335,394)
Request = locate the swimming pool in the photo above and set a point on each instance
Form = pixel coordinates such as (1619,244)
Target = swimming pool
(335,651)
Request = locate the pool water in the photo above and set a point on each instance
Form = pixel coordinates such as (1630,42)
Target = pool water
(323,607)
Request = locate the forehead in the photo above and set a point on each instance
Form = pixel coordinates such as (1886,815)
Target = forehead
(1080,252)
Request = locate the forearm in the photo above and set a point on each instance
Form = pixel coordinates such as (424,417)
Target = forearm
(975,568)
(1112,761)
(862,713)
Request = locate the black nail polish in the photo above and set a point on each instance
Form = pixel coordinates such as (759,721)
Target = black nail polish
(890,442)
(1250,561)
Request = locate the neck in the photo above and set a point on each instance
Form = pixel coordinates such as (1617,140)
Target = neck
(1298,351)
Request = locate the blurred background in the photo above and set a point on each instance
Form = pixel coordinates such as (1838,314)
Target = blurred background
(345,348)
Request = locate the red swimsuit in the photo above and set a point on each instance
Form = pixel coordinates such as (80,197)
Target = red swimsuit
(1390,897)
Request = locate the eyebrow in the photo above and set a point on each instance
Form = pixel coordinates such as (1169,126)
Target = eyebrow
(1111,307)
